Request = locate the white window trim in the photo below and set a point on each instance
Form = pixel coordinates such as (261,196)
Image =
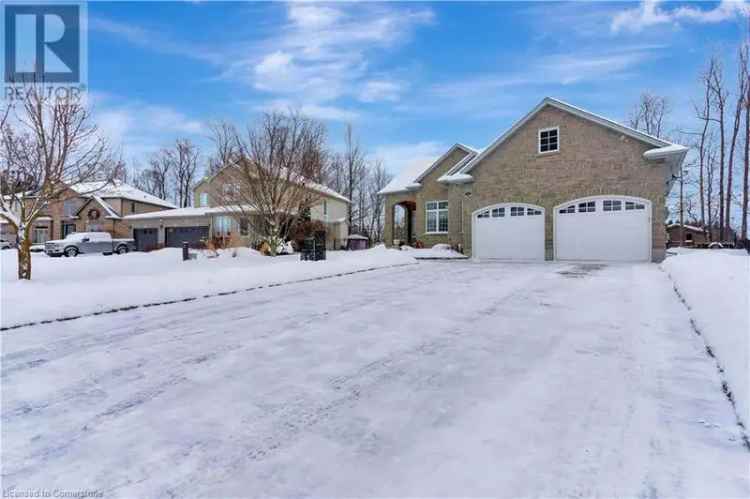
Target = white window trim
(437,210)
(539,140)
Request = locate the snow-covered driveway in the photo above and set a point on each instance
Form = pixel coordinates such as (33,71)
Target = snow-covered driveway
(438,379)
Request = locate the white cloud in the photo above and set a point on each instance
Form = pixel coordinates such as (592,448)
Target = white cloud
(381,90)
(649,14)
(481,85)
(313,16)
(320,53)
(139,129)
(397,157)
(323,51)
(155,41)
(316,111)
(482,93)
(569,68)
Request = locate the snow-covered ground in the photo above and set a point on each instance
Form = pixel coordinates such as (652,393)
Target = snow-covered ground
(63,287)
(716,286)
(437,252)
(436,379)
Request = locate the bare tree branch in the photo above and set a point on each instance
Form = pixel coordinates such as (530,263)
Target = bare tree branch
(48,144)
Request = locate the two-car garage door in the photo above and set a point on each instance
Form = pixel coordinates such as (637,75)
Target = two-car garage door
(596,228)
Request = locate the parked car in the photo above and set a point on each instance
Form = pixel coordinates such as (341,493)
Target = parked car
(88,242)
(6,245)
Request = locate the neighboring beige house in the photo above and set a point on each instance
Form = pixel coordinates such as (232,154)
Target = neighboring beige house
(90,207)
(562,183)
(207,219)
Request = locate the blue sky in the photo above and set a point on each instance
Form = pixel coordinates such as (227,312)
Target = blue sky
(412,78)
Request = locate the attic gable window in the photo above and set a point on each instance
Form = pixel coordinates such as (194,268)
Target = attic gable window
(549,140)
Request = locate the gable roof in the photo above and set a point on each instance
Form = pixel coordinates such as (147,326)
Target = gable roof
(457,146)
(320,188)
(410,177)
(693,228)
(191,211)
(109,212)
(666,148)
(118,189)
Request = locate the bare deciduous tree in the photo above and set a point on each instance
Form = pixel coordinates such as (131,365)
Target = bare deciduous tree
(160,165)
(268,182)
(222,135)
(47,145)
(184,164)
(353,161)
(719,95)
(742,87)
(704,114)
(746,167)
(377,179)
(650,114)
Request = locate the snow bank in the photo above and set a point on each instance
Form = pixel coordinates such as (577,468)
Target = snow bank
(437,252)
(716,286)
(64,287)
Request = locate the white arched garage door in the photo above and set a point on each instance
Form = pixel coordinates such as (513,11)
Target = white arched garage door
(510,231)
(604,228)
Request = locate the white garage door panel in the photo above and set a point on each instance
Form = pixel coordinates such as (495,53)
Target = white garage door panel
(621,233)
(499,234)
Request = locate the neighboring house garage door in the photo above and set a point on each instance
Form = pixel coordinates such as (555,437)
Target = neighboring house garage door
(146,239)
(604,228)
(509,231)
(195,236)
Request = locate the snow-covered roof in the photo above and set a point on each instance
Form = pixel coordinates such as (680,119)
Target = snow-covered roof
(356,236)
(409,178)
(664,152)
(666,148)
(687,226)
(327,191)
(470,152)
(456,178)
(404,181)
(190,211)
(118,189)
(322,189)
(110,211)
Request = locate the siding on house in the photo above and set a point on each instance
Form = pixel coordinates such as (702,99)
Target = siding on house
(334,213)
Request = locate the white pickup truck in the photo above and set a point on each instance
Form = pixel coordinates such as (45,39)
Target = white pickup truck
(88,242)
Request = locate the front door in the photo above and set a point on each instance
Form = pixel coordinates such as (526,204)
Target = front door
(68,229)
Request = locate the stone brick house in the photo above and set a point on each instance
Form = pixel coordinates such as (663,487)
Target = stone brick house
(208,219)
(90,207)
(562,183)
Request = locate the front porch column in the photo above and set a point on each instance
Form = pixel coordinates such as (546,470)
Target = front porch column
(407,225)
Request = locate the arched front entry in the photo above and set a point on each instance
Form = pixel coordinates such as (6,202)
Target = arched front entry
(403,221)
(508,231)
(603,228)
